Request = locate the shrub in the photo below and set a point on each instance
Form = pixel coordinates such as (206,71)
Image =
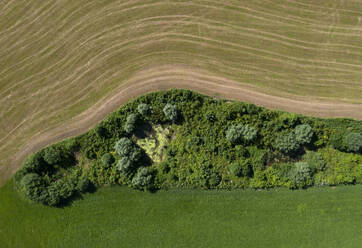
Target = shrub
(315,161)
(241,168)
(144,109)
(303,134)
(83,184)
(337,140)
(249,133)
(130,125)
(101,131)
(143,178)
(287,143)
(107,160)
(171,112)
(300,175)
(52,155)
(353,142)
(210,116)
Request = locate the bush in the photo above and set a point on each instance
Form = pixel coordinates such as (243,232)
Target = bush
(83,184)
(287,143)
(303,134)
(107,160)
(210,116)
(143,178)
(144,109)
(300,175)
(171,112)
(353,142)
(130,125)
(315,161)
(241,168)
(52,155)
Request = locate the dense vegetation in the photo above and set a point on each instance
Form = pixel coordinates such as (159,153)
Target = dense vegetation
(208,143)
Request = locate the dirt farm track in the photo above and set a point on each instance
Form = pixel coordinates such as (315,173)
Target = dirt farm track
(66,64)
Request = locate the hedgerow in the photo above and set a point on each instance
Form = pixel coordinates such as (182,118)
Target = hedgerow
(209,144)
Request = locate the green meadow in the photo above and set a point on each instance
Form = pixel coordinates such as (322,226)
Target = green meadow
(122,217)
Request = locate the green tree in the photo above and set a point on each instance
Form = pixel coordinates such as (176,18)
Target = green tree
(124,147)
(107,160)
(300,175)
(144,109)
(303,134)
(171,112)
(287,143)
(33,187)
(236,133)
(143,178)
(353,142)
(315,161)
(52,155)
(130,125)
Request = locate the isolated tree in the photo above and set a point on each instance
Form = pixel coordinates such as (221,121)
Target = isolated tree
(303,134)
(144,109)
(287,143)
(130,125)
(171,112)
(353,142)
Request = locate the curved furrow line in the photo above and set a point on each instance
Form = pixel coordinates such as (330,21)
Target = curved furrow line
(6,35)
(283,17)
(329,62)
(321,7)
(95,58)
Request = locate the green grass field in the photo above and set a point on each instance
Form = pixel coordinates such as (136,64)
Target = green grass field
(59,58)
(121,217)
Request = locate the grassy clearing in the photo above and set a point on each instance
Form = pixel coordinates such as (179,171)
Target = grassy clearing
(60,58)
(121,217)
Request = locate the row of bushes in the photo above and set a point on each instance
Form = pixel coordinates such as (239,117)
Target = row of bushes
(216,144)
